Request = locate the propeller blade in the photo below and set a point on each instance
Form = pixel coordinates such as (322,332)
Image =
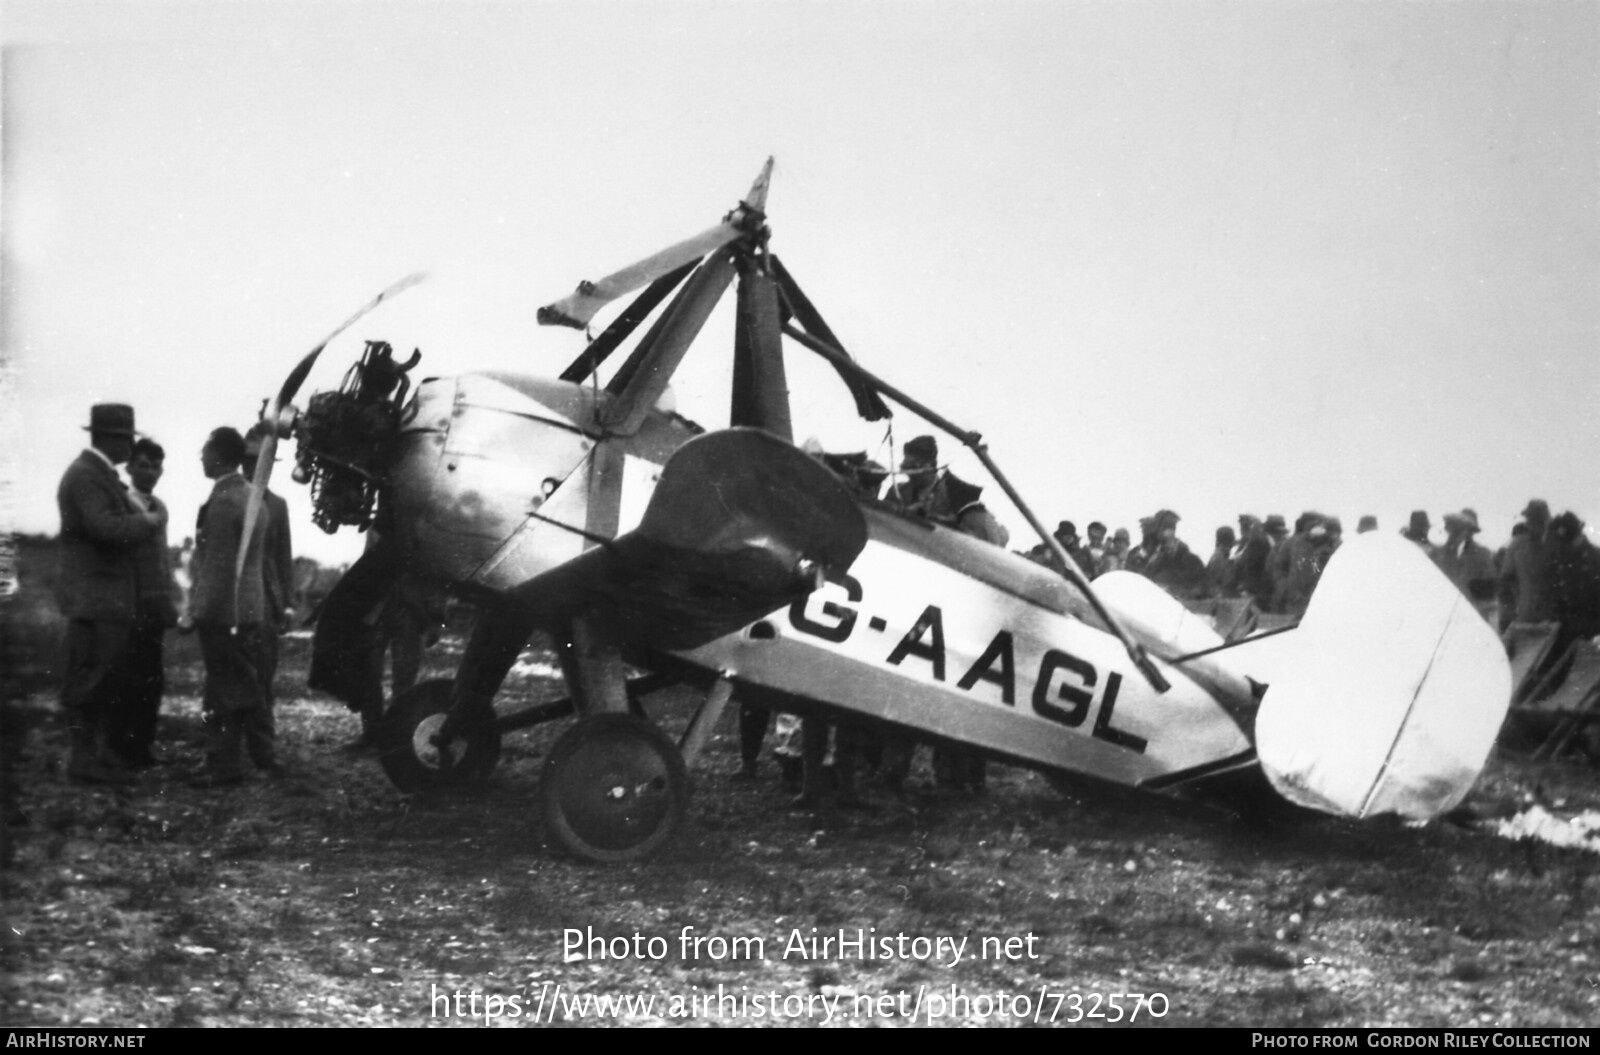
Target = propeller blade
(252,508)
(578,309)
(302,369)
(273,417)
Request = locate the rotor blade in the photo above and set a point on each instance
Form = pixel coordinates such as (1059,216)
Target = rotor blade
(643,379)
(869,404)
(597,351)
(578,309)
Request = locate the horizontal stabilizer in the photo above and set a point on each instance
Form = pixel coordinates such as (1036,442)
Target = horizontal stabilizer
(1398,692)
(740,525)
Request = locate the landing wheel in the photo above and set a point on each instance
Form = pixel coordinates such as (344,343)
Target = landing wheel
(408,744)
(614,788)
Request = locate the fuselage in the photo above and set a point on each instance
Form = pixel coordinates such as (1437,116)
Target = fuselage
(502,477)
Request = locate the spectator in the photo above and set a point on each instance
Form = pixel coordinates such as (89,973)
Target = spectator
(1067,534)
(1174,567)
(1466,563)
(1574,581)
(1252,572)
(1525,575)
(1116,558)
(98,592)
(157,611)
(1219,569)
(230,615)
(1298,564)
(1366,524)
(1140,556)
(1096,548)
(1417,531)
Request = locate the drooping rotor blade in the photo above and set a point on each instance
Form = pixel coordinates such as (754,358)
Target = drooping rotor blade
(598,350)
(644,377)
(869,404)
(578,309)
(274,413)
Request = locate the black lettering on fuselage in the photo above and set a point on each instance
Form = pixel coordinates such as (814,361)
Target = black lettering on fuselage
(1079,696)
(999,649)
(1063,690)
(1102,721)
(931,623)
(844,618)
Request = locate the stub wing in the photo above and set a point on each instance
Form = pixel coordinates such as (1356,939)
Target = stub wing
(1396,693)
(740,525)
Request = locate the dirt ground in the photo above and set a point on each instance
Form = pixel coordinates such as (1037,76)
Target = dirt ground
(325,897)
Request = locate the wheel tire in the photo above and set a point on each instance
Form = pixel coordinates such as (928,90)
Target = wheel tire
(410,758)
(614,788)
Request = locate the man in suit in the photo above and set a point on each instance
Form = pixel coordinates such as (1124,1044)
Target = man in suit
(98,590)
(157,611)
(229,613)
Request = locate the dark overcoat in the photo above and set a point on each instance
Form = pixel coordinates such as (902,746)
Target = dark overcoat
(100,530)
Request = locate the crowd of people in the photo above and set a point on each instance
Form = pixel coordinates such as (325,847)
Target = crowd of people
(1549,571)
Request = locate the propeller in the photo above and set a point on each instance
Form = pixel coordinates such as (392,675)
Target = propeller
(274,417)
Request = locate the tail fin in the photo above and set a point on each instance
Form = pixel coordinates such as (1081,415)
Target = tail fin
(1396,694)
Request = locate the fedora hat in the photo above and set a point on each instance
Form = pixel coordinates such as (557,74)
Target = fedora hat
(110,419)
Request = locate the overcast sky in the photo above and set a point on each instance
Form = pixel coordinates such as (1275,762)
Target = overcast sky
(1212,256)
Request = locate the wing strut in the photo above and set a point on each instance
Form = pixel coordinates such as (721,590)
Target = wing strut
(974,442)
